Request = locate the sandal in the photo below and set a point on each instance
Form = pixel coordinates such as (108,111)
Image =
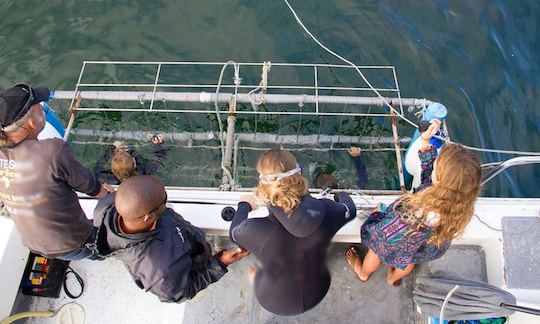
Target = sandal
(350,257)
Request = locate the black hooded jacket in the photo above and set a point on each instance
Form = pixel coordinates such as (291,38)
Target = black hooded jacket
(291,250)
(173,261)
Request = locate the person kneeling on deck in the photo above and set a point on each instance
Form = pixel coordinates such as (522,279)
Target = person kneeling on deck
(38,179)
(164,253)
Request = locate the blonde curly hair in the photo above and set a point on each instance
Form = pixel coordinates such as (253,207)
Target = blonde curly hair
(123,165)
(458,173)
(287,192)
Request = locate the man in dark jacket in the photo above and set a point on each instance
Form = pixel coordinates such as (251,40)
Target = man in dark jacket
(164,253)
(38,180)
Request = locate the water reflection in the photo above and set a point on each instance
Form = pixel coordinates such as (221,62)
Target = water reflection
(479,58)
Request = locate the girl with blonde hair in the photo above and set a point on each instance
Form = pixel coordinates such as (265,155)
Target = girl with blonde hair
(290,244)
(419,226)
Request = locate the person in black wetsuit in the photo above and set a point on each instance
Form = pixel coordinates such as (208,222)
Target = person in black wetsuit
(290,243)
(325,181)
(125,163)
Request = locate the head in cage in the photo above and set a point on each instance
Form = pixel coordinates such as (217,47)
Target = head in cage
(126,162)
(123,165)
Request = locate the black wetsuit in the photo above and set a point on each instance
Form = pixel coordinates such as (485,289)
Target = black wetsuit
(291,250)
(102,169)
(361,172)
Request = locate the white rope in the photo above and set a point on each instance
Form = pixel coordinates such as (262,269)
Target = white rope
(420,113)
(226,171)
(450,293)
(483,222)
(479,149)
(262,86)
(348,62)
(384,99)
(361,195)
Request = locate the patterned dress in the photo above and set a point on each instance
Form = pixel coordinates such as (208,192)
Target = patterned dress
(389,234)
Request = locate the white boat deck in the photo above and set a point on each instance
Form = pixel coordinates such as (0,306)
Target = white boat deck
(111,297)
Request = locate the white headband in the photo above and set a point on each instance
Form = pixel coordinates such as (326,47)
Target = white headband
(279,176)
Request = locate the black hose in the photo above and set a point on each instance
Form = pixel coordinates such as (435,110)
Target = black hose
(79,279)
(522,309)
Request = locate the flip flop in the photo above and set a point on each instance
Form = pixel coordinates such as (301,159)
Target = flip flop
(354,255)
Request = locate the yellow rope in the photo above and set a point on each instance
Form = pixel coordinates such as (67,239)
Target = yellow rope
(18,316)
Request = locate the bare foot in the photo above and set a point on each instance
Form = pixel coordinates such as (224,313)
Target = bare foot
(353,259)
(389,277)
(389,280)
(251,272)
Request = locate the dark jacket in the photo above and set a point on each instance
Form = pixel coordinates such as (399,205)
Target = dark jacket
(173,261)
(291,250)
(361,172)
(102,169)
(38,180)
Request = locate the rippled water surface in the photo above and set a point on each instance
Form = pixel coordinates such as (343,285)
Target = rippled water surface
(480,58)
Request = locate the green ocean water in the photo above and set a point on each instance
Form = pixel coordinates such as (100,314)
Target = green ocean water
(479,58)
